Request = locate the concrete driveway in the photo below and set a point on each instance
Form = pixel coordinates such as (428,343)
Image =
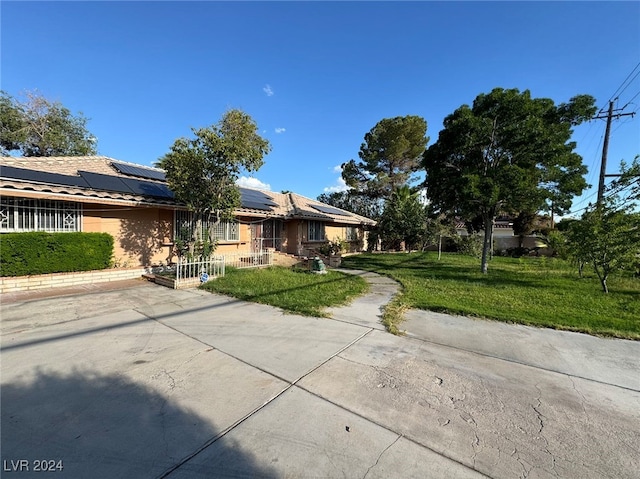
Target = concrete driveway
(150,382)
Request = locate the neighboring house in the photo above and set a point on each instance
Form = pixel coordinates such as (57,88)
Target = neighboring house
(133,203)
(503,235)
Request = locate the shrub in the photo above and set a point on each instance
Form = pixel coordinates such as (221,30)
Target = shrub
(41,253)
(470,245)
(333,247)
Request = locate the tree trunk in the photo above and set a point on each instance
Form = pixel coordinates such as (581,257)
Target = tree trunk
(439,247)
(602,277)
(486,244)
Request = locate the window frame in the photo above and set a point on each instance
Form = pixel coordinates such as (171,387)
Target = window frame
(21,214)
(314,227)
(228,231)
(351,233)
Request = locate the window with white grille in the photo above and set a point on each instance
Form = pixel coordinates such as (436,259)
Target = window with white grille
(227,231)
(316,231)
(27,214)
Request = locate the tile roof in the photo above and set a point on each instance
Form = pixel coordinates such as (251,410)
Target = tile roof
(306,208)
(70,166)
(287,205)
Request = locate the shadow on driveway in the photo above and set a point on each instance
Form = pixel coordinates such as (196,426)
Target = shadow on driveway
(105,426)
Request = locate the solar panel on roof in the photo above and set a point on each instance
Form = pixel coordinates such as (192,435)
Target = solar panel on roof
(87,179)
(98,181)
(252,205)
(139,171)
(255,197)
(164,191)
(330,210)
(147,188)
(42,177)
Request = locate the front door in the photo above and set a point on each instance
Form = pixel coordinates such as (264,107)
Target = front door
(266,235)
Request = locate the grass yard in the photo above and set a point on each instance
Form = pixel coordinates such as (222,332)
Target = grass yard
(534,291)
(295,291)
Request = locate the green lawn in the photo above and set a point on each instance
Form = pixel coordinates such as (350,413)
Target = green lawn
(295,291)
(535,291)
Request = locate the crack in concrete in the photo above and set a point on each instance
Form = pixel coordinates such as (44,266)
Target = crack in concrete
(540,418)
(524,464)
(380,456)
(335,467)
(583,400)
(190,359)
(539,415)
(475,444)
(172,381)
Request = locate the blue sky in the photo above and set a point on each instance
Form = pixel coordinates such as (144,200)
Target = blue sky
(316,76)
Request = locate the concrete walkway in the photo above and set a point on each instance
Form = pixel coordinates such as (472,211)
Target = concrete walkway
(150,382)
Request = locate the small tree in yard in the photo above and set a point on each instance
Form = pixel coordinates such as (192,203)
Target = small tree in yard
(202,172)
(608,235)
(439,226)
(608,238)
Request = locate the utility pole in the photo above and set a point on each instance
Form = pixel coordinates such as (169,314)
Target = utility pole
(605,148)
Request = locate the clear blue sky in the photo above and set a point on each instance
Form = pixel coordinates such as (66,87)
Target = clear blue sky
(316,76)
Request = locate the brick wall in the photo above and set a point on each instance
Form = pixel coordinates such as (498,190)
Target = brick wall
(56,280)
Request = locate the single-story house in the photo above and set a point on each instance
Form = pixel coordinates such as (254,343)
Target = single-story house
(133,203)
(504,237)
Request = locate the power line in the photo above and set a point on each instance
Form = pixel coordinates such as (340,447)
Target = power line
(634,97)
(596,153)
(625,80)
(630,81)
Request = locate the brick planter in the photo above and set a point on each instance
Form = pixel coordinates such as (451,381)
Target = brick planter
(173,284)
(13,284)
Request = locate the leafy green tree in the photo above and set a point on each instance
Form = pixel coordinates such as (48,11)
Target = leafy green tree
(557,241)
(389,156)
(528,222)
(608,238)
(507,152)
(403,220)
(40,127)
(202,171)
(627,186)
(360,205)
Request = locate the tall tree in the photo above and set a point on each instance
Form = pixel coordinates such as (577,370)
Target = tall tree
(507,152)
(202,171)
(40,127)
(389,156)
(360,205)
(403,220)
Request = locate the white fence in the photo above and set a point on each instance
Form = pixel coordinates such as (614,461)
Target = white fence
(194,272)
(199,271)
(249,259)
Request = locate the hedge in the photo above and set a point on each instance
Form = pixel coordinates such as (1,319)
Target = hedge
(23,254)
